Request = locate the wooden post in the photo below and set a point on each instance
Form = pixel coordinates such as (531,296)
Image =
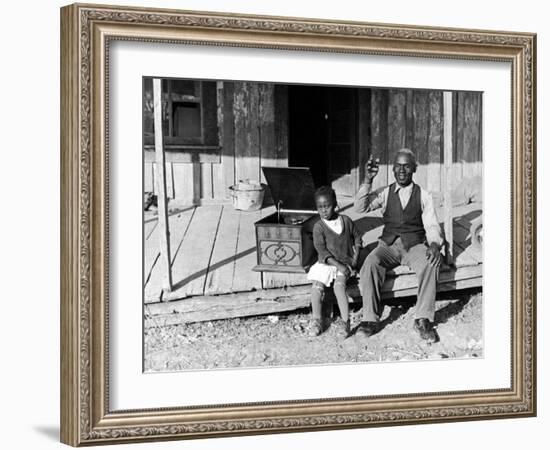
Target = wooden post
(447,170)
(162,200)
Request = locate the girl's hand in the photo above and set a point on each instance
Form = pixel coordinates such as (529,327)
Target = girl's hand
(343,269)
(352,270)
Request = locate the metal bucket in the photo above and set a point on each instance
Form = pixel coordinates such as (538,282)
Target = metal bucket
(247,195)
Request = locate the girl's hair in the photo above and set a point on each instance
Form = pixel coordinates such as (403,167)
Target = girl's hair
(325,191)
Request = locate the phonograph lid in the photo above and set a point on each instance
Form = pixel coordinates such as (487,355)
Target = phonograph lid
(293,186)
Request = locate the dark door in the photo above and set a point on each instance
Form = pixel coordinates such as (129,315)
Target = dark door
(322,128)
(341,148)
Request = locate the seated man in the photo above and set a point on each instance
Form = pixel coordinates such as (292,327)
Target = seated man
(411,236)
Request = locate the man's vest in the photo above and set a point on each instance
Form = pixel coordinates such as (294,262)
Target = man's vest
(404,223)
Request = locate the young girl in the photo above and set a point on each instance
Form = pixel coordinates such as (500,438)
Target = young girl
(337,242)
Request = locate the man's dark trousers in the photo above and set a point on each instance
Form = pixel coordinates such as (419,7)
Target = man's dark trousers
(385,257)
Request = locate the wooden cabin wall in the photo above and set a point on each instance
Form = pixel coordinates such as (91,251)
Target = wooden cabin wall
(260,115)
(252,132)
(414,119)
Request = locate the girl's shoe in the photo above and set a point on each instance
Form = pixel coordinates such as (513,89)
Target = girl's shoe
(343,328)
(346,334)
(315,327)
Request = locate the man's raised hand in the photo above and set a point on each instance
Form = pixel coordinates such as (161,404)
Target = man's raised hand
(371,168)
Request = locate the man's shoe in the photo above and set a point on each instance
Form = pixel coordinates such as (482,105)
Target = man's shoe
(425,330)
(315,327)
(367,329)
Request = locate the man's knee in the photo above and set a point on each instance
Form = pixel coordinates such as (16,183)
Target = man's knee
(372,262)
(425,270)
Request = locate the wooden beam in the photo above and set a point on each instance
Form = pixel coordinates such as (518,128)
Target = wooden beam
(163,231)
(216,307)
(447,168)
(273,301)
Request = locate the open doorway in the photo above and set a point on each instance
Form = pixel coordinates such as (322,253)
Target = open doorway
(323,134)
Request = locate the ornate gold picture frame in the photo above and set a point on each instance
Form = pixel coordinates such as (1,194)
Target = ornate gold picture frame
(86,34)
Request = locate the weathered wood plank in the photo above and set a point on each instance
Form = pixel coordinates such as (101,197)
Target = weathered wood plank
(270,301)
(281,279)
(196,180)
(154,168)
(180,190)
(179,224)
(247,136)
(363,140)
(168,177)
(183,183)
(266,122)
(193,258)
(219,188)
(162,200)
(150,251)
(472,169)
(187,183)
(421,114)
(226,306)
(149,225)
(185,154)
(461,126)
(228,141)
(463,257)
(281,124)
(471,138)
(219,279)
(409,120)
(406,281)
(148,178)
(244,278)
(206,181)
(209,113)
(447,161)
(469,257)
(443,286)
(462,228)
(475,253)
(397,125)
(379,135)
(435,141)
(169,180)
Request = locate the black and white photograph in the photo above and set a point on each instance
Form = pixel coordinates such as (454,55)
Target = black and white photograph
(292,224)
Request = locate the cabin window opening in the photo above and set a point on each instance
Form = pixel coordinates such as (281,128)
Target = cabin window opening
(189,115)
(186,120)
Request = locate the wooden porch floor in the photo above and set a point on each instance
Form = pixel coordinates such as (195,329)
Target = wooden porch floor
(213,251)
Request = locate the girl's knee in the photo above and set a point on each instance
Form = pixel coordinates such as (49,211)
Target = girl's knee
(340,281)
(317,286)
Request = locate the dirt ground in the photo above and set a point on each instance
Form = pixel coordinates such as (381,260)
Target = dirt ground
(282,340)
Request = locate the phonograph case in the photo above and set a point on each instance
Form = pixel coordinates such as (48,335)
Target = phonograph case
(284,241)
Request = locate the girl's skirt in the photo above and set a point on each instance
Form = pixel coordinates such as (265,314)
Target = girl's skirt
(323,273)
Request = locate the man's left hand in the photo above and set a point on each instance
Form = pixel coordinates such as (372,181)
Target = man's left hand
(434,255)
